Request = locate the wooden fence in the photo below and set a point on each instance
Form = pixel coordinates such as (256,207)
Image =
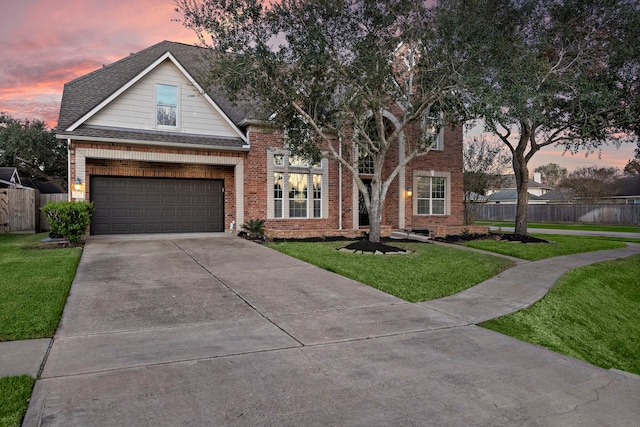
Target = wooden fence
(587,213)
(20,210)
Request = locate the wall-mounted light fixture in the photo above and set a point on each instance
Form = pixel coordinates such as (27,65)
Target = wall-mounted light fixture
(77,184)
(408,191)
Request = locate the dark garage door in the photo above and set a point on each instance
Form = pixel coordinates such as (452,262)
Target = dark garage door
(156,205)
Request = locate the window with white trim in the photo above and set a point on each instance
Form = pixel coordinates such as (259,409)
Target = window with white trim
(166,105)
(432,194)
(298,187)
(433,133)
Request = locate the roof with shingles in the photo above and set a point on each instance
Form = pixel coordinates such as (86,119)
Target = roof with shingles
(85,93)
(9,174)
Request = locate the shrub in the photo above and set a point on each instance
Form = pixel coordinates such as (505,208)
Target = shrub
(69,219)
(254,228)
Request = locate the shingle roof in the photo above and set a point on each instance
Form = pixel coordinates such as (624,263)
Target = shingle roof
(509,181)
(7,173)
(509,194)
(628,186)
(85,93)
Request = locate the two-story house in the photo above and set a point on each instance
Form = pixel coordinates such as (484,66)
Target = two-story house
(157,152)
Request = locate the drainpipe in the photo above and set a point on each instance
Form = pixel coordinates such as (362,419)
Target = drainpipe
(339,184)
(68,169)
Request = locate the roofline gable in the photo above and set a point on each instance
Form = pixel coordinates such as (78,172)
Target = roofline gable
(140,76)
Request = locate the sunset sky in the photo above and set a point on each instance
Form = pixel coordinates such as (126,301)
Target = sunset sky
(46,43)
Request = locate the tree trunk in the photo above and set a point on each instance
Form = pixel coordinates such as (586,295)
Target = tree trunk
(522,186)
(375,212)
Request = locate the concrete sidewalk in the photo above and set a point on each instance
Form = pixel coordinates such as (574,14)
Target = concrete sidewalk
(221,331)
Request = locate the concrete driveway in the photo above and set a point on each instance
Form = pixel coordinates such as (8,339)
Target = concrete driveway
(215,330)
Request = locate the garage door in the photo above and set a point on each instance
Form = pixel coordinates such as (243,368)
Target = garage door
(156,205)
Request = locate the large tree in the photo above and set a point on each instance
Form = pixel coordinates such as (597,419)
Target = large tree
(484,163)
(328,72)
(549,72)
(33,149)
(592,182)
(633,165)
(551,173)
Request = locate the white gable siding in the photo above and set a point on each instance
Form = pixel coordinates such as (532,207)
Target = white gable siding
(136,107)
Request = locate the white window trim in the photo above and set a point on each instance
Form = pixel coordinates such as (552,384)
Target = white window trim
(447,190)
(285,169)
(155,106)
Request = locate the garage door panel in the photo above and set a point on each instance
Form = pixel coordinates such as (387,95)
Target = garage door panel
(156,205)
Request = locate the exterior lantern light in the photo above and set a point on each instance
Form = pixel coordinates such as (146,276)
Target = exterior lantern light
(408,191)
(77,185)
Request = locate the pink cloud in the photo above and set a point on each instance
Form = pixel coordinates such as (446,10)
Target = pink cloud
(47,43)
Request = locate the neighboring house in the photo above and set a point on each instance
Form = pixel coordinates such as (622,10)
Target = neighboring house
(535,187)
(44,187)
(510,196)
(9,178)
(559,195)
(628,190)
(157,152)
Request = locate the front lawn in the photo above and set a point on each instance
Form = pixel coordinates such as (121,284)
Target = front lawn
(592,314)
(34,285)
(558,245)
(15,392)
(431,272)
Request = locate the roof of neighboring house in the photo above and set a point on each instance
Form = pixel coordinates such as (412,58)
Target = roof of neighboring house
(509,181)
(509,195)
(85,93)
(628,186)
(559,195)
(44,187)
(9,176)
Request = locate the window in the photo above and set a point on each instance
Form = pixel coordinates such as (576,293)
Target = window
(365,159)
(431,195)
(277,195)
(166,105)
(433,135)
(317,196)
(297,187)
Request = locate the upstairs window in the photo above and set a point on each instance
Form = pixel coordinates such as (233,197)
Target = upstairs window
(365,160)
(166,105)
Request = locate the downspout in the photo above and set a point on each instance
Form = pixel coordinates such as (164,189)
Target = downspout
(340,184)
(69,169)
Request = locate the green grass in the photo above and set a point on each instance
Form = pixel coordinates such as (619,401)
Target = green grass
(592,314)
(558,245)
(34,285)
(431,272)
(15,392)
(564,226)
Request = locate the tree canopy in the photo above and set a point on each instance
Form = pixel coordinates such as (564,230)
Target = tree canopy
(551,173)
(484,163)
(329,72)
(549,72)
(633,165)
(592,182)
(33,149)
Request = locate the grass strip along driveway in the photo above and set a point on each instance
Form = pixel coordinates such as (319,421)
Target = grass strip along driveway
(592,314)
(430,272)
(34,285)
